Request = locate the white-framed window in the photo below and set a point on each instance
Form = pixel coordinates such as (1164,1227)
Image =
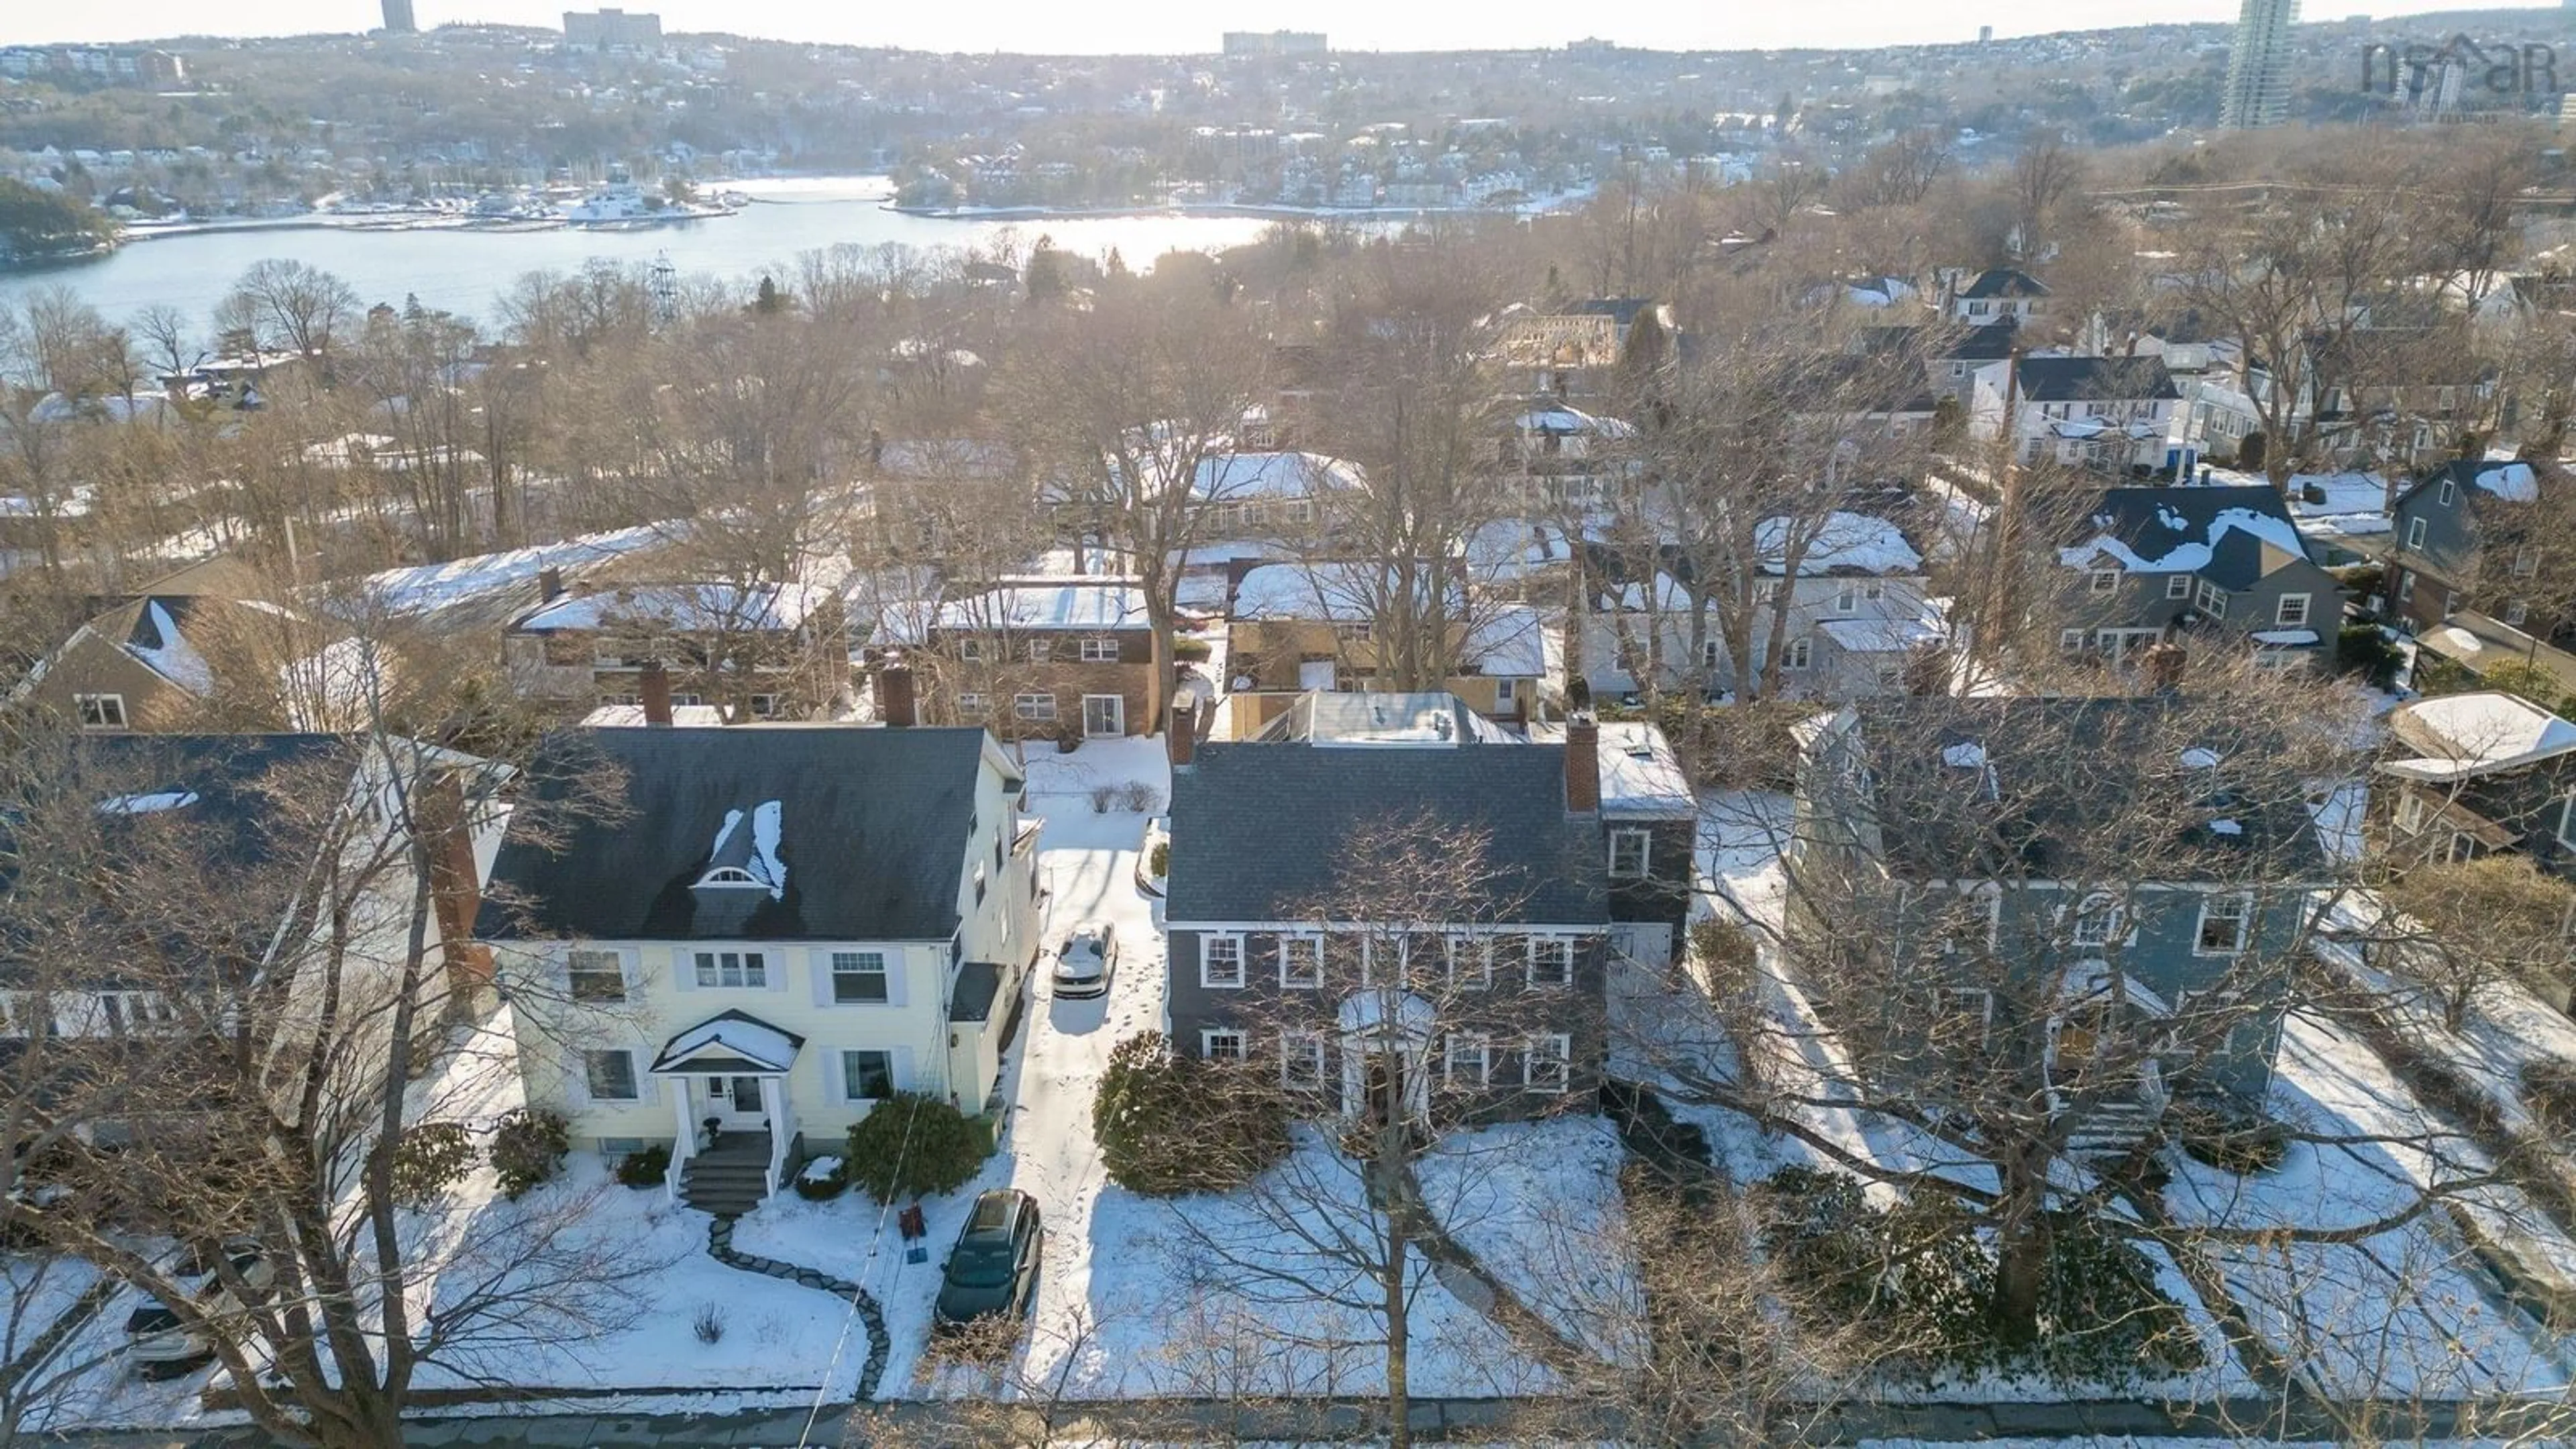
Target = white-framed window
(859,978)
(1962,1015)
(970,651)
(1099,651)
(2463,848)
(1547,1061)
(1799,654)
(1467,1060)
(1221,1044)
(1847,599)
(1551,962)
(2212,600)
(1038,707)
(2177,586)
(143,1013)
(1471,962)
(1503,692)
(1041,650)
(1972,924)
(2103,581)
(2292,612)
(1301,962)
(2410,814)
(2567,820)
(970,705)
(1221,960)
(2526,561)
(596,975)
(733,968)
(2415,533)
(1766,590)
(2448,492)
(2196,1011)
(610,1076)
(2225,923)
(100,711)
(867,1076)
(1301,1061)
(1630,852)
(2097,920)
(2070,640)
(1355,631)
(2517,612)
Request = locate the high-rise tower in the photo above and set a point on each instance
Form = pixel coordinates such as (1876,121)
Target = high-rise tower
(2258,65)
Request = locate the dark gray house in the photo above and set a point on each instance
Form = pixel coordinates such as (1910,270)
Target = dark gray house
(2458,545)
(2219,568)
(1411,911)
(2098,901)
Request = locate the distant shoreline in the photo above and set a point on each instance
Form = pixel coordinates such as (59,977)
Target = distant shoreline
(1278,211)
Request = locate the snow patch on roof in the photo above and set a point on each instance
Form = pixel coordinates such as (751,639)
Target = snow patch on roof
(2513,482)
(147,804)
(2187,557)
(1966,755)
(1853,541)
(2473,734)
(176,660)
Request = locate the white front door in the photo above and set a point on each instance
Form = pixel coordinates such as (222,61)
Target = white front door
(735,1103)
(1104,716)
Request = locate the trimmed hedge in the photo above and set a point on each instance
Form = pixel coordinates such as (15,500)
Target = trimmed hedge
(912,1145)
(528,1148)
(644,1167)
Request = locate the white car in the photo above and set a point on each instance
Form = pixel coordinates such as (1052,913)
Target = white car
(155,1338)
(1084,964)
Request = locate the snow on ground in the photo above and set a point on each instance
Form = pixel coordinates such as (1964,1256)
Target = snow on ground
(2354,505)
(1538,1204)
(2401,1312)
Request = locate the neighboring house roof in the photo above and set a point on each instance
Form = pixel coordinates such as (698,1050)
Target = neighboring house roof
(1891,633)
(2181,530)
(1371,718)
(2508,479)
(2481,733)
(1546,416)
(1621,310)
(1241,477)
(492,588)
(766,608)
(1963,787)
(1025,606)
(1641,773)
(866,843)
(1852,543)
(1338,592)
(1258,829)
(2095,379)
(2002,282)
(1511,640)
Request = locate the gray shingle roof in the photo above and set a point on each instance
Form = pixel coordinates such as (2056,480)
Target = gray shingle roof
(2095,379)
(1258,829)
(872,832)
(2003,282)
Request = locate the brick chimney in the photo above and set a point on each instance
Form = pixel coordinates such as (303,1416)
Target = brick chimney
(896,703)
(550,584)
(1582,764)
(655,690)
(1181,736)
(455,886)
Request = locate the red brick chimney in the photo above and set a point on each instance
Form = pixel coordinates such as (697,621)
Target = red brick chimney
(655,690)
(455,887)
(896,703)
(1181,736)
(1582,764)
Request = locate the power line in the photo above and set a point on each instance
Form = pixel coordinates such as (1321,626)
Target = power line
(876,1240)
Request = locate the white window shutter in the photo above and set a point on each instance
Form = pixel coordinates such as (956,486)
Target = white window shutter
(776,961)
(832,1082)
(898,975)
(820,964)
(577,1081)
(684,969)
(648,1089)
(899,1066)
(630,970)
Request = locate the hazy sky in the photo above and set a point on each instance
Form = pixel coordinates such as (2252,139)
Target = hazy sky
(1178,25)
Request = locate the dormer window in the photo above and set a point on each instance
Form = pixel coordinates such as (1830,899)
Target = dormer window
(729,875)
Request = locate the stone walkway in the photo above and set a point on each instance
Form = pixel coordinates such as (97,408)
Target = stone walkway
(720,1247)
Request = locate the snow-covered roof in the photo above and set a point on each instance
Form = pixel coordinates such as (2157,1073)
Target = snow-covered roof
(734,1034)
(1843,542)
(2285,638)
(686,606)
(424,588)
(2512,482)
(1336,592)
(1241,477)
(147,804)
(173,658)
(631,716)
(1513,640)
(1567,422)
(2189,556)
(749,858)
(1024,606)
(1641,775)
(2461,735)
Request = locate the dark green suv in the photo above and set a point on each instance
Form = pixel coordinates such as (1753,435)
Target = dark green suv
(993,1270)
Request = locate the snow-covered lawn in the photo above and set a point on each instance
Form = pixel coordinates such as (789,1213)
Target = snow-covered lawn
(2403,1311)
(1538,1204)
